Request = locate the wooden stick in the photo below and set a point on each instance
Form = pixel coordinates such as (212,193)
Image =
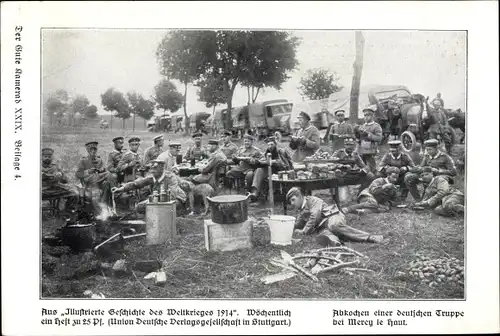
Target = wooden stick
(304,271)
(107,241)
(331,268)
(279,264)
(350,269)
(319,257)
(336,248)
(270,179)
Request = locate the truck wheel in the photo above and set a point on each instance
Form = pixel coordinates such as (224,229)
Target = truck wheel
(408,141)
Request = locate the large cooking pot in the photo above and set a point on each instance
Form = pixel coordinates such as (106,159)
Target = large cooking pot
(79,237)
(229,209)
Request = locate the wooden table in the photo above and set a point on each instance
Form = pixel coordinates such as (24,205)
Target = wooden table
(186,171)
(283,186)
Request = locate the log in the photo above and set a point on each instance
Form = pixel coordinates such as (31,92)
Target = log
(331,268)
(269,279)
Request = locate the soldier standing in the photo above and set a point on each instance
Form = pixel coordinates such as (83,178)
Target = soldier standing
(131,162)
(306,141)
(339,130)
(114,158)
(369,136)
(398,159)
(154,151)
(197,151)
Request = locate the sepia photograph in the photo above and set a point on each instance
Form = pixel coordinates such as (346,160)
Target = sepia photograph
(253,164)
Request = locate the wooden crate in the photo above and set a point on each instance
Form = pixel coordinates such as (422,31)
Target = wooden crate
(228,237)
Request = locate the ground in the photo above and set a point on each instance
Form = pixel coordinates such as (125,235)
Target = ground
(194,273)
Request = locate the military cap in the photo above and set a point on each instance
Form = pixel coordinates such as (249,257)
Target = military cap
(249,137)
(370,109)
(431,143)
(392,170)
(227,132)
(339,112)
(47,151)
(213,142)
(304,115)
(158,137)
(197,135)
(295,191)
(117,138)
(271,139)
(134,139)
(91,144)
(394,143)
(174,144)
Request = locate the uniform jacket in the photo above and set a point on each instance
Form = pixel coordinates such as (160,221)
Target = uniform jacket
(198,153)
(113,159)
(253,152)
(168,182)
(308,147)
(341,129)
(438,188)
(313,213)
(383,196)
(229,149)
(125,165)
(402,160)
(151,154)
(354,159)
(48,172)
(209,172)
(84,174)
(368,144)
(283,159)
(442,161)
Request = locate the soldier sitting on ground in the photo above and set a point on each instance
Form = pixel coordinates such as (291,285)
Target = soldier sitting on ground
(398,159)
(379,196)
(316,216)
(440,196)
(54,182)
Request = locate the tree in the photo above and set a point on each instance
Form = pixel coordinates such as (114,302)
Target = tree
(319,84)
(79,105)
(167,97)
(356,77)
(180,56)
(114,101)
(211,91)
(56,104)
(91,112)
(140,106)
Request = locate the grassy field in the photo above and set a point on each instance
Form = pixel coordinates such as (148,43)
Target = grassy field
(194,273)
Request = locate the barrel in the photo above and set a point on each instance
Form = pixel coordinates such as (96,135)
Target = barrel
(160,222)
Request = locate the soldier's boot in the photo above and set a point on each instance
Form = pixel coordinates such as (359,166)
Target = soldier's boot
(327,239)
(253,194)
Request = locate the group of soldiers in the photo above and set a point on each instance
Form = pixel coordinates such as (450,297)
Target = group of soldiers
(382,186)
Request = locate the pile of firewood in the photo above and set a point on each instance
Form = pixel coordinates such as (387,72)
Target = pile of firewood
(313,263)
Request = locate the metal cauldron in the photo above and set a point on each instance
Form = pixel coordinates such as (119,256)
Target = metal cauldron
(79,237)
(229,209)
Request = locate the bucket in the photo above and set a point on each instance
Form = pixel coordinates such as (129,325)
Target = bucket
(281,229)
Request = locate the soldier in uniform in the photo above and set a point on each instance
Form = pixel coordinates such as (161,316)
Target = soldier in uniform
(439,162)
(379,196)
(350,169)
(306,140)
(197,151)
(246,158)
(280,161)
(227,146)
(316,216)
(217,158)
(54,182)
(440,196)
(131,163)
(114,158)
(170,156)
(369,136)
(339,130)
(396,158)
(92,171)
(154,151)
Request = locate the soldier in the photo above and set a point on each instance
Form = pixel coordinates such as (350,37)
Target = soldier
(196,152)
(440,196)
(114,158)
(154,151)
(315,215)
(130,163)
(306,141)
(54,182)
(92,172)
(228,147)
(381,194)
(246,157)
(369,135)
(398,159)
(350,169)
(217,158)
(339,130)
(280,161)
(170,156)
(439,162)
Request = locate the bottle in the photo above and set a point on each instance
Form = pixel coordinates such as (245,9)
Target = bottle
(155,197)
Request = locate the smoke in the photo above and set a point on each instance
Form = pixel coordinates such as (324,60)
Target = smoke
(106,212)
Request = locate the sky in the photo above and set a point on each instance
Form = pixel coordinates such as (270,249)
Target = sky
(88,62)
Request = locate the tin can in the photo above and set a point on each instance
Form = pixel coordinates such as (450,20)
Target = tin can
(163,197)
(284,176)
